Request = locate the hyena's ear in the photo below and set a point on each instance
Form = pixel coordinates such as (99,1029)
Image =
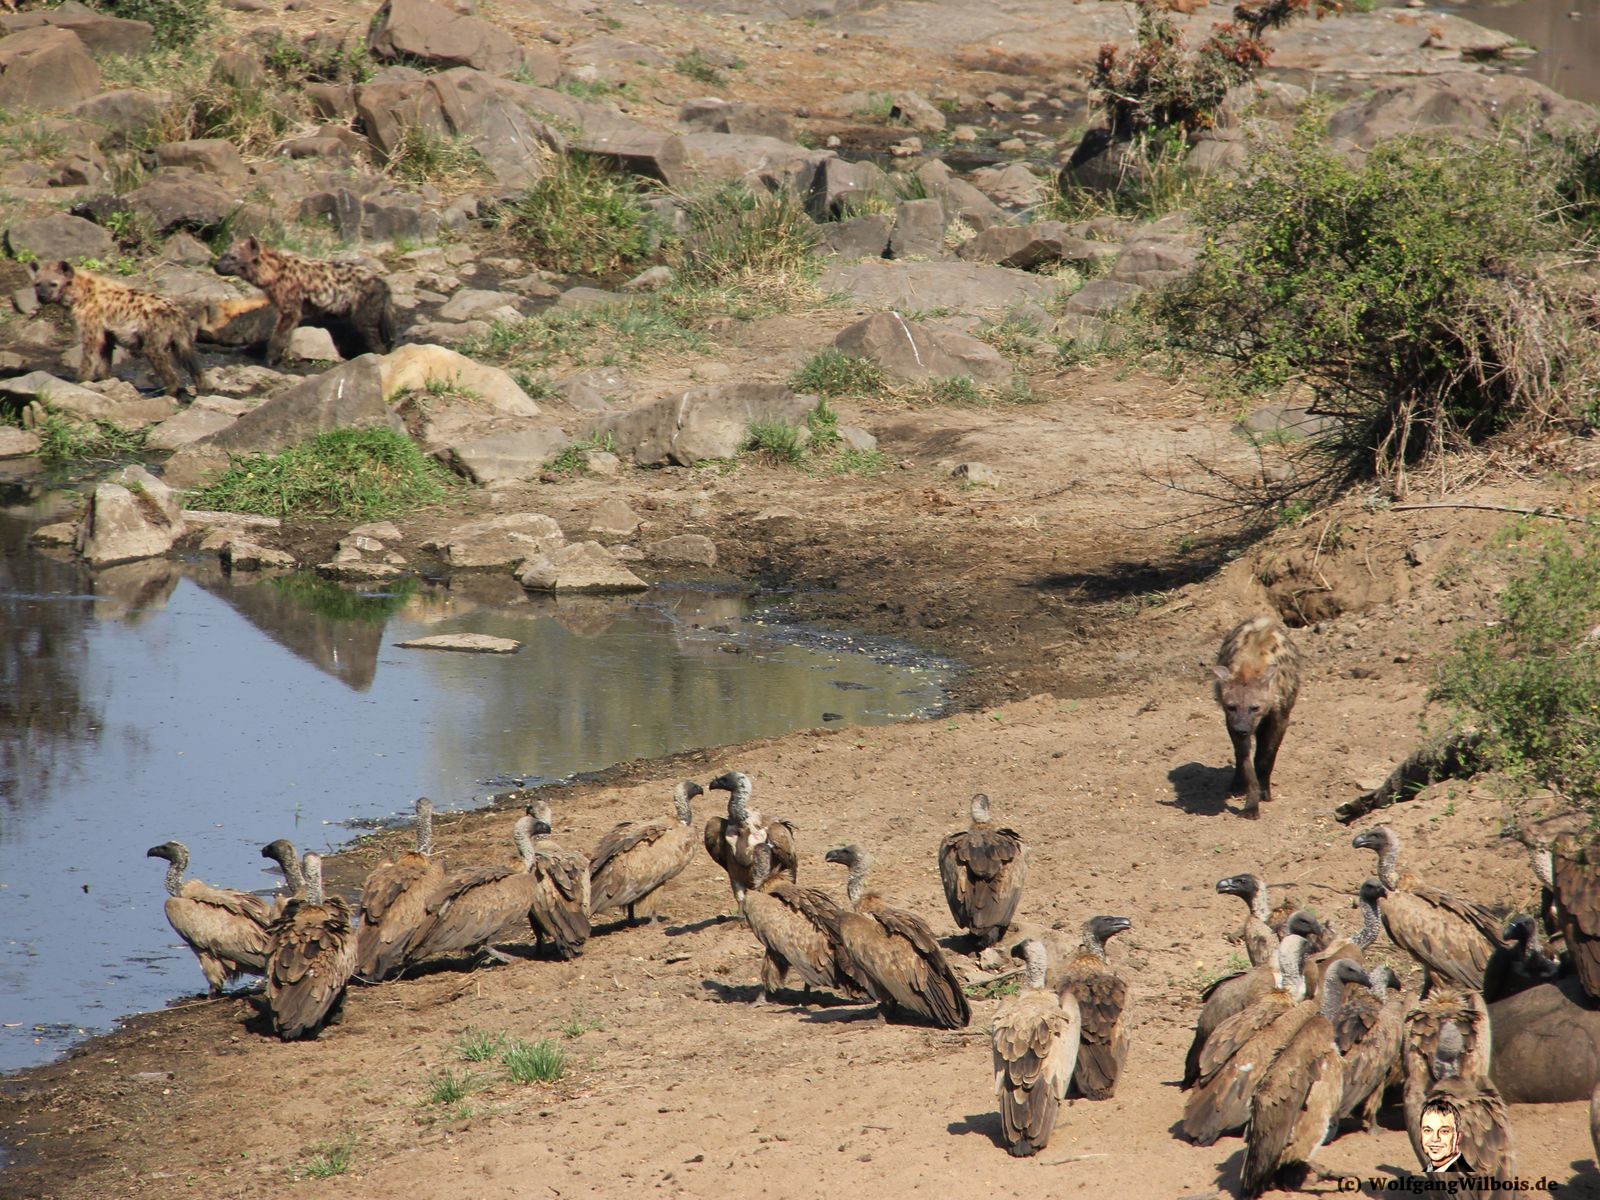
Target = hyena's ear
(33,269)
(65,268)
(1222,673)
(252,244)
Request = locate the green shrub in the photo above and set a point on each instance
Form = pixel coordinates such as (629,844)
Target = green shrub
(357,473)
(534,1062)
(176,23)
(734,233)
(1401,290)
(423,155)
(449,1087)
(831,372)
(325,1160)
(477,1045)
(582,217)
(694,65)
(1531,681)
(573,459)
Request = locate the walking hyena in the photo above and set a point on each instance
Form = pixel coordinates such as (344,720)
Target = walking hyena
(1257,680)
(301,287)
(108,314)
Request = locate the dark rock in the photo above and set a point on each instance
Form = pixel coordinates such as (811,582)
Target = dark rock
(865,236)
(101,35)
(918,230)
(60,236)
(214,155)
(1013,186)
(45,68)
(182,200)
(1027,247)
(1152,261)
(332,101)
(424,32)
(82,167)
(347,397)
(765,162)
(909,350)
(1101,296)
(712,115)
(703,422)
(119,113)
(341,207)
(837,184)
(239,71)
(334,143)
(387,218)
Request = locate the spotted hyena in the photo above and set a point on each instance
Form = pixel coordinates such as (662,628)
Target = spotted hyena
(108,314)
(1256,681)
(301,287)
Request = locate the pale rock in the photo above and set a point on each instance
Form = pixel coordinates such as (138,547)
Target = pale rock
(614,518)
(312,343)
(131,516)
(17,443)
(976,474)
(502,541)
(240,554)
(580,567)
(692,548)
(466,643)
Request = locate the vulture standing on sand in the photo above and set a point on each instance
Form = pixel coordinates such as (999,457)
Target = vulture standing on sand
(1234,993)
(394,903)
(1575,887)
(1102,997)
(1295,1105)
(226,928)
(892,955)
(477,903)
(282,852)
(312,958)
(1452,938)
(560,911)
(1368,1028)
(1484,1124)
(1260,942)
(983,869)
(637,857)
(794,925)
(1241,1048)
(1425,1021)
(731,840)
(1035,1040)
(1335,947)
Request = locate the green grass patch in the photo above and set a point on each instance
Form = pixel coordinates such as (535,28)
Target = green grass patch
(831,373)
(581,216)
(877,105)
(605,335)
(478,1045)
(325,1160)
(450,1087)
(779,442)
(425,156)
(63,440)
(959,390)
(176,23)
(867,463)
(573,460)
(360,474)
(994,989)
(534,1062)
(735,234)
(694,65)
(577,1024)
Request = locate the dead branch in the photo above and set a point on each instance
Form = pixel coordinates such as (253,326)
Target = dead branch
(1505,508)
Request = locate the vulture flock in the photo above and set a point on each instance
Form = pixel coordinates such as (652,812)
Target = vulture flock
(1311,1035)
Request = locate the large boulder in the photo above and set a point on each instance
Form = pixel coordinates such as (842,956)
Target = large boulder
(430,34)
(1155,259)
(965,287)
(918,230)
(908,350)
(752,158)
(17,443)
(131,516)
(179,199)
(119,404)
(59,236)
(703,422)
(501,541)
(415,367)
(579,567)
(120,113)
(503,457)
(1461,102)
(350,396)
(45,69)
(1027,247)
(216,156)
(837,185)
(710,114)
(206,416)
(101,35)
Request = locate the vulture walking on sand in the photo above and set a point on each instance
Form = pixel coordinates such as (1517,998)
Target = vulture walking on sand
(795,926)
(1102,1000)
(560,910)
(1294,1108)
(394,903)
(1036,1044)
(1369,1027)
(1241,1048)
(476,904)
(226,928)
(1452,938)
(983,868)
(731,840)
(1575,888)
(892,955)
(1482,1119)
(312,958)
(637,857)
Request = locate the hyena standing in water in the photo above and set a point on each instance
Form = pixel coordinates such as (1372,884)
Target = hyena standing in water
(301,287)
(108,314)
(1257,680)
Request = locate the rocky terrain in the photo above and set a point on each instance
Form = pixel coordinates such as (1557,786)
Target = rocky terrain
(1009,495)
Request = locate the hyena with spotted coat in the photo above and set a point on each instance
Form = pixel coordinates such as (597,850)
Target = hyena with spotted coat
(1257,678)
(108,314)
(301,287)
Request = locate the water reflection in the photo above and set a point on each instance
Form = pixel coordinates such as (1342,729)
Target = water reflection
(1565,32)
(157,701)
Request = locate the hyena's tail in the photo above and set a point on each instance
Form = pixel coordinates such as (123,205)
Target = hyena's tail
(184,345)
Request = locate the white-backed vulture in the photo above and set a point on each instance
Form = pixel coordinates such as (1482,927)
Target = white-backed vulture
(1519,964)
(394,903)
(1241,1048)
(1425,1021)
(226,928)
(1260,942)
(1036,1042)
(1368,1028)
(1295,1105)
(983,869)
(637,857)
(1102,997)
(1452,938)
(892,955)
(1481,1114)
(476,904)
(1236,992)
(312,958)
(731,840)
(1546,1044)
(1543,861)
(282,852)
(1354,948)
(795,927)
(560,911)
(1575,885)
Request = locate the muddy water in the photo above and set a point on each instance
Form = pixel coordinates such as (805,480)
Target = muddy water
(160,700)
(1565,32)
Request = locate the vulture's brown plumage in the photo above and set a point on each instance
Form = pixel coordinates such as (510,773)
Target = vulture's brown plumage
(394,903)
(983,869)
(1424,1022)
(1575,884)
(226,929)
(892,955)
(1452,938)
(474,906)
(1368,1028)
(282,852)
(312,958)
(637,857)
(1102,997)
(1483,1122)
(731,840)
(795,926)
(560,910)
(1035,1039)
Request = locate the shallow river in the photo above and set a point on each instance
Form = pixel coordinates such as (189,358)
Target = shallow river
(162,700)
(1565,32)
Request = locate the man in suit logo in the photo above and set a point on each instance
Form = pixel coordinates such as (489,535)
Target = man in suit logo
(1441,1138)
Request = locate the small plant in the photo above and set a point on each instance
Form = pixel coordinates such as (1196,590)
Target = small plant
(580,216)
(425,156)
(1013,337)
(735,233)
(995,988)
(1236,963)
(325,1160)
(877,105)
(955,389)
(63,440)
(175,23)
(450,1087)
(822,426)
(1294,512)
(573,460)
(831,373)
(780,442)
(850,461)
(357,473)
(534,1062)
(477,1045)
(578,1024)
(694,65)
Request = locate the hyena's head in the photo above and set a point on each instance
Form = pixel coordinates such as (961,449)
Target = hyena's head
(1245,695)
(51,281)
(243,258)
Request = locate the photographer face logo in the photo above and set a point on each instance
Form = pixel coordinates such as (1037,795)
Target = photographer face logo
(1441,1137)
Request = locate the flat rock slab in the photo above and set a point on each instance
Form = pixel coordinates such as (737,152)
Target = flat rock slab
(580,567)
(465,643)
(17,443)
(916,286)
